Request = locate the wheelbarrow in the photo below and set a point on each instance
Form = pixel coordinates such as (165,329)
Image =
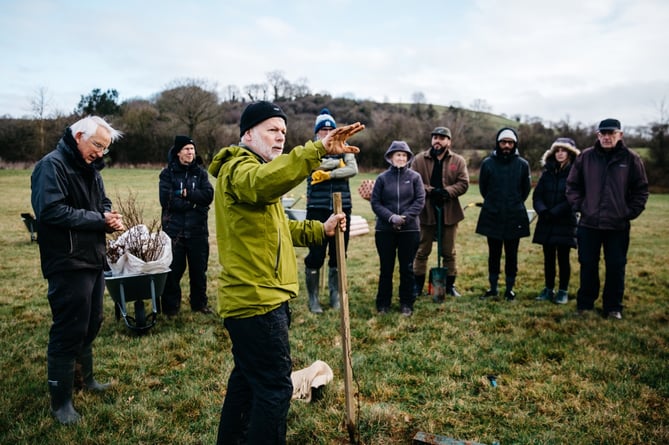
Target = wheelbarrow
(292,213)
(135,289)
(31,225)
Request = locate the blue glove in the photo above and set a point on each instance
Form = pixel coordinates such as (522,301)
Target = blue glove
(178,193)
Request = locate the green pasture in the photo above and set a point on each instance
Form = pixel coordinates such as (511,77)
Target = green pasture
(560,378)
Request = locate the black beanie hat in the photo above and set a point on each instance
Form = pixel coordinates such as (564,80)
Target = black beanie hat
(180,142)
(257,112)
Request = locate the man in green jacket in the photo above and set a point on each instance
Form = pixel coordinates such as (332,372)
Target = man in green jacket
(259,267)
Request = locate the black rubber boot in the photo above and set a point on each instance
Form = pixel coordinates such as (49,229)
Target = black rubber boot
(419,282)
(450,286)
(86,362)
(312,277)
(60,373)
(333,285)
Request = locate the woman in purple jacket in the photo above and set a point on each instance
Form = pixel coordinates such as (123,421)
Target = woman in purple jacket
(397,200)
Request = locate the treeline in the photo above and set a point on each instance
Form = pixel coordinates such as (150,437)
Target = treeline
(191,107)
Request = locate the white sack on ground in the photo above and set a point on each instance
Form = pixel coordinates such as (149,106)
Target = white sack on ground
(315,376)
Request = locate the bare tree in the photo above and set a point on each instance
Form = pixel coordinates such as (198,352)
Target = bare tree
(418,97)
(286,91)
(663,111)
(231,94)
(191,102)
(301,88)
(39,103)
(256,91)
(417,100)
(277,82)
(659,142)
(481,106)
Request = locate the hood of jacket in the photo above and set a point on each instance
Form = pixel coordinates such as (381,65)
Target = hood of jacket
(565,143)
(398,146)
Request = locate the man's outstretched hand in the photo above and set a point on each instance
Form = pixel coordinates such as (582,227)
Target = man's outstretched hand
(335,141)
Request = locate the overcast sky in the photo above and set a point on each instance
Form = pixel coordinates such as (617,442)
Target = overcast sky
(576,60)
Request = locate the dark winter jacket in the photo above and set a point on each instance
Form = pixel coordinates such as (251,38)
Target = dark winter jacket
(341,168)
(455,180)
(557,222)
(608,190)
(69,201)
(185,216)
(398,191)
(504,183)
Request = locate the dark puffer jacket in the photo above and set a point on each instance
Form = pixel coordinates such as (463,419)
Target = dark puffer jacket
(319,195)
(557,221)
(69,201)
(185,216)
(398,191)
(504,183)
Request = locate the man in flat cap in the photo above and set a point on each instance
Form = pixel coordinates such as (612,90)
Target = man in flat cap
(259,267)
(609,187)
(445,178)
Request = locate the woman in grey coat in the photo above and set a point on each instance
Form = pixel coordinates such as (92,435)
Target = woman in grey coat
(504,183)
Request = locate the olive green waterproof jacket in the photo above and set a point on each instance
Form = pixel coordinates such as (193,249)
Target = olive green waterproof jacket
(255,238)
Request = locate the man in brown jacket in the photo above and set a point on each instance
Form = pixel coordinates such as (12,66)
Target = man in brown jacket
(445,178)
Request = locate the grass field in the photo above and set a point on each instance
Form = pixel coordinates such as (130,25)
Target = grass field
(560,379)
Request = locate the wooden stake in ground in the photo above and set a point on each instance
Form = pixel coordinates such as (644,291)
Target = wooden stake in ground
(345,326)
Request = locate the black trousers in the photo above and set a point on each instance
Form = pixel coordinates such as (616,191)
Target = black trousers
(75,298)
(402,245)
(259,387)
(194,253)
(615,244)
(316,256)
(495,258)
(551,251)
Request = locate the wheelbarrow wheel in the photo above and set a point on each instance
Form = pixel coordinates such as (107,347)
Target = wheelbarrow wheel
(140,313)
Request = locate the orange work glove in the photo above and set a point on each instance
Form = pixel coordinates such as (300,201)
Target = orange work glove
(335,141)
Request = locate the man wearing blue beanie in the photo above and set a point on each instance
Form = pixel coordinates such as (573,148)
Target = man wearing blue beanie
(331,176)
